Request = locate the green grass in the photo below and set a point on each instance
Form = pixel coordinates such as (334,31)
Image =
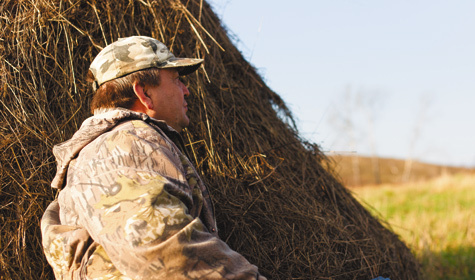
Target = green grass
(436,219)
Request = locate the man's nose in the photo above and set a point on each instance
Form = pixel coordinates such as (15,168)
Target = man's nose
(186,92)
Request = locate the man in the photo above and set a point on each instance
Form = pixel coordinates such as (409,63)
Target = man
(131,205)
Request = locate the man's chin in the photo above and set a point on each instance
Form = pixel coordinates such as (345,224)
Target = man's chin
(184,124)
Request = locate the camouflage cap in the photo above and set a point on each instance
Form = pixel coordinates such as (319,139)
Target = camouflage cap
(135,53)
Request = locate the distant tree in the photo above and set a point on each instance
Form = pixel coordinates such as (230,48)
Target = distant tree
(353,118)
(425,101)
(342,119)
(370,105)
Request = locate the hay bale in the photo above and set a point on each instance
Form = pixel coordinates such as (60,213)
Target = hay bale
(276,203)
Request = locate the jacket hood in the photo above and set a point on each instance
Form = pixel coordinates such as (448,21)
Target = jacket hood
(91,128)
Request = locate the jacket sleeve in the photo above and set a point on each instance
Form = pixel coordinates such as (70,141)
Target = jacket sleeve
(132,197)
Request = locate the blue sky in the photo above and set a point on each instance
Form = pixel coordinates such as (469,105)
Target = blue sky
(407,68)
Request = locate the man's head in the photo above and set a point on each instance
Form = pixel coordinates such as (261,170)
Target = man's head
(134,65)
(165,101)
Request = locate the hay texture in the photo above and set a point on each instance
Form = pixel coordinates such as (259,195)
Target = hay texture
(275,202)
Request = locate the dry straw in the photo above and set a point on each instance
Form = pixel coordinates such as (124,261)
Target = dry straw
(275,202)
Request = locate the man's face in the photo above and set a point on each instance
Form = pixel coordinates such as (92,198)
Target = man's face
(168,100)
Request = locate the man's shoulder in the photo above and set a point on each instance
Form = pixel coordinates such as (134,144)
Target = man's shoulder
(133,125)
(131,132)
(130,135)
(139,129)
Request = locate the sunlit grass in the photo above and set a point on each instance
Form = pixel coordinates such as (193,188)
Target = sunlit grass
(436,219)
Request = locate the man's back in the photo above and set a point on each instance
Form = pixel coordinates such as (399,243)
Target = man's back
(147,213)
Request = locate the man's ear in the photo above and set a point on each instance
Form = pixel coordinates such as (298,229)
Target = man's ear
(142,95)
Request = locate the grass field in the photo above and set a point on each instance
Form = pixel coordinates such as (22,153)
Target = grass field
(435,218)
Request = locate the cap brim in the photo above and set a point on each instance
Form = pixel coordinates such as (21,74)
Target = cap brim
(185,65)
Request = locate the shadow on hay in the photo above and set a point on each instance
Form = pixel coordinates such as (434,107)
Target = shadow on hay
(276,203)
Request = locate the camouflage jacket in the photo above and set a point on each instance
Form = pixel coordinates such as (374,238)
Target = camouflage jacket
(132,206)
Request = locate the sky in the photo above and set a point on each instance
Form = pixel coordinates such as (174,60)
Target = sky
(368,77)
